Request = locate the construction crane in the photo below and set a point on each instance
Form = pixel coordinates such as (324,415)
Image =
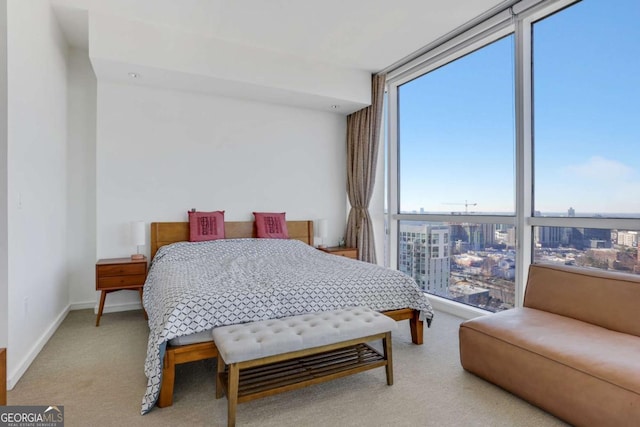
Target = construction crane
(466,205)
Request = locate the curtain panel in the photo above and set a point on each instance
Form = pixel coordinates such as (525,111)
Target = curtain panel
(363,135)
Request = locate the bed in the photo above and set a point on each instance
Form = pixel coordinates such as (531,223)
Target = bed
(186,293)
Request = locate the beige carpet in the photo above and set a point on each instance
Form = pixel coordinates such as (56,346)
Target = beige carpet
(97,374)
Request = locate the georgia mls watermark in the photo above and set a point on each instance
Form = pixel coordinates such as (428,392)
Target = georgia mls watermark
(32,416)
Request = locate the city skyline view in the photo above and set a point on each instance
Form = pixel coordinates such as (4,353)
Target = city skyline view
(474,263)
(585,89)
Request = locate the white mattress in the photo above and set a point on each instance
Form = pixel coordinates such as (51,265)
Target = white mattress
(203,336)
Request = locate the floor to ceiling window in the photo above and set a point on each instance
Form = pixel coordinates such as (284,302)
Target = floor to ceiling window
(586,87)
(456,151)
(515,143)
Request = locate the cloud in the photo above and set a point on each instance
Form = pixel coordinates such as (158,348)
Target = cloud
(601,169)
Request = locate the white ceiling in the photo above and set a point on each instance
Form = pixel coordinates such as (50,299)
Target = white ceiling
(349,35)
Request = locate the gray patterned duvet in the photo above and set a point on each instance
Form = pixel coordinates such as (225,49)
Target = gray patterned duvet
(193,287)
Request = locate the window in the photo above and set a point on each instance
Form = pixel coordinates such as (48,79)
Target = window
(586,81)
(585,127)
(456,125)
(515,143)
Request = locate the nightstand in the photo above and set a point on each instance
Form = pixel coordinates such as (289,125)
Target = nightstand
(342,251)
(116,274)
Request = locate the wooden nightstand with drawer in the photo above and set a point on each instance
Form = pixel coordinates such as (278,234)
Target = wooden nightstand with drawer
(341,251)
(116,274)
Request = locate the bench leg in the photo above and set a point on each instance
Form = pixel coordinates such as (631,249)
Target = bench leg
(388,355)
(232,394)
(219,371)
(168,380)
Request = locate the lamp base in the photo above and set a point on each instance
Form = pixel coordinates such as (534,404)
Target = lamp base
(137,256)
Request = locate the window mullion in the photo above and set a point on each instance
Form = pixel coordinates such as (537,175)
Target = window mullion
(393,178)
(524,168)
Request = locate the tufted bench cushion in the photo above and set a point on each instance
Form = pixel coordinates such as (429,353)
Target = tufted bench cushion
(248,341)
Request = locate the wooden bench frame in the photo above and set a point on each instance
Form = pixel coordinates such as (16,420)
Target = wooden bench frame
(175,356)
(193,352)
(253,379)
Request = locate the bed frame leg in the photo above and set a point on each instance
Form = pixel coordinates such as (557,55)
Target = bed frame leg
(417,332)
(168,379)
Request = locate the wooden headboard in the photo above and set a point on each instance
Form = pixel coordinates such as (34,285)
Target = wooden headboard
(164,233)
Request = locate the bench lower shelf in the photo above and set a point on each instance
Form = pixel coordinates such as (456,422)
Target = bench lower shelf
(278,377)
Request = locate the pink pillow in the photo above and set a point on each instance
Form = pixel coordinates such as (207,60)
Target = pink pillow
(271,225)
(206,226)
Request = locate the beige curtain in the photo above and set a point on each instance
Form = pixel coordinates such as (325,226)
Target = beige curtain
(363,134)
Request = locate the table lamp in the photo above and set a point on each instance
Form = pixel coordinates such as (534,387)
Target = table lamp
(139,238)
(323,232)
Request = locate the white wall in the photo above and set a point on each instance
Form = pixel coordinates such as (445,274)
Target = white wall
(81,185)
(162,152)
(38,292)
(4,279)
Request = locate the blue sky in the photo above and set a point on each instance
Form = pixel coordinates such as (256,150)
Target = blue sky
(457,123)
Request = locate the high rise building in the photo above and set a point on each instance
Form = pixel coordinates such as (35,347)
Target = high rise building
(627,238)
(474,237)
(590,238)
(551,237)
(423,254)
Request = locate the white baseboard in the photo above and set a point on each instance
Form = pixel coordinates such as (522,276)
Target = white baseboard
(113,308)
(82,305)
(108,308)
(14,376)
(457,309)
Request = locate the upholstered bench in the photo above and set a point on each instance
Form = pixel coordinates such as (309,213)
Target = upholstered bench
(263,358)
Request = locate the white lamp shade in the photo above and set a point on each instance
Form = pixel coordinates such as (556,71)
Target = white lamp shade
(138,234)
(323,229)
